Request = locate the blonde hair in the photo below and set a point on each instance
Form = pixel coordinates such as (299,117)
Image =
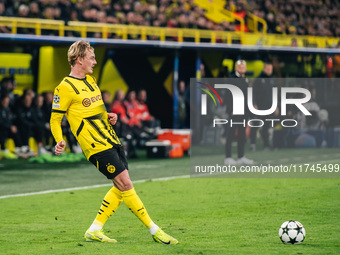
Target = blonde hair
(78,49)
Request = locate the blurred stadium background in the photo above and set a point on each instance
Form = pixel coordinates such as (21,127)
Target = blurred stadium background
(157,46)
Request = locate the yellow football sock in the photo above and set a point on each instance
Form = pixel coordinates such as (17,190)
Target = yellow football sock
(136,206)
(110,204)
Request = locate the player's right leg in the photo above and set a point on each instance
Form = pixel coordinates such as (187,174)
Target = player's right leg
(110,204)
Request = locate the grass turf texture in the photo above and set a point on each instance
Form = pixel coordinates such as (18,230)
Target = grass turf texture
(206,215)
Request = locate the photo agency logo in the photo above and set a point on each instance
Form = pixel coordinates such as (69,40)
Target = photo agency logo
(204,97)
(288,96)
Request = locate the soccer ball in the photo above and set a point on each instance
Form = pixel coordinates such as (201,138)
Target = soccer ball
(292,232)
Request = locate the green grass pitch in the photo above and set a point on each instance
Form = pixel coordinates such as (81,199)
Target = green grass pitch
(206,215)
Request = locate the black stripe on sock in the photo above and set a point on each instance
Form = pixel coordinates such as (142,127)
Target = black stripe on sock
(140,209)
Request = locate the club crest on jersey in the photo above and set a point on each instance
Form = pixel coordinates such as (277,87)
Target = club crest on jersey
(110,168)
(56,99)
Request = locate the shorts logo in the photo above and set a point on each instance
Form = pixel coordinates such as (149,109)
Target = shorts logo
(86,102)
(56,99)
(111,169)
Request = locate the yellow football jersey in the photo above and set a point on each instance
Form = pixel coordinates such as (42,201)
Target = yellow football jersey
(81,102)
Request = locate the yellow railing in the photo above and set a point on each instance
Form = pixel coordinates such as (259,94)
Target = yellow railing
(234,17)
(156,33)
(253,23)
(36,24)
(127,32)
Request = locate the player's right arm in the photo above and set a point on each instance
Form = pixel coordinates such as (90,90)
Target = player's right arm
(61,102)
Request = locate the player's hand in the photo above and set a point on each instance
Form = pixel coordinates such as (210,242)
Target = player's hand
(59,148)
(112,118)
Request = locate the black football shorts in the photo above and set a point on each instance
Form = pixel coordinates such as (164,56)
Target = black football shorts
(110,162)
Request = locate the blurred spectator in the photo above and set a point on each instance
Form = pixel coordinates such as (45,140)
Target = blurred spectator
(124,126)
(262,95)
(241,13)
(3,12)
(329,67)
(23,11)
(47,106)
(337,63)
(319,118)
(7,128)
(142,107)
(106,96)
(40,127)
(34,10)
(292,65)
(181,105)
(147,119)
(25,123)
(8,85)
(132,111)
(117,106)
(240,80)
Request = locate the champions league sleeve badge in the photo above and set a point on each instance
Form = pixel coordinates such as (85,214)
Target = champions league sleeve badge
(56,99)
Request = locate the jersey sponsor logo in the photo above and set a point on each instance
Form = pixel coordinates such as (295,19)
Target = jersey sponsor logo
(110,168)
(96,98)
(56,106)
(86,102)
(56,99)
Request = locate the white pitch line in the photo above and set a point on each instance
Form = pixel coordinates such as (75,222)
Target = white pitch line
(91,187)
(146,166)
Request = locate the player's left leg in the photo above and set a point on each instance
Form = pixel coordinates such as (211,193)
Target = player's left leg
(136,206)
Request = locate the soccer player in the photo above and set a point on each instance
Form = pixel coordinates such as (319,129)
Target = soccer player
(79,98)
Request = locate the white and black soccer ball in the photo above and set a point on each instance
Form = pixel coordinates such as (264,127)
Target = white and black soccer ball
(292,232)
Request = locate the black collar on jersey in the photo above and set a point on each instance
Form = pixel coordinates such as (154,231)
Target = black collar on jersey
(84,80)
(76,78)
